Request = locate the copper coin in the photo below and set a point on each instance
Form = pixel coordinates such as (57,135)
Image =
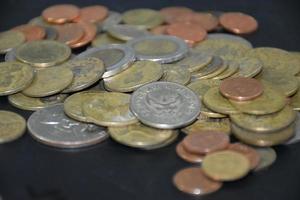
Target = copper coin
(193,181)
(248,151)
(60,14)
(241,88)
(189,32)
(90,31)
(205,142)
(159,30)
(31,32)
(238,23)
(187,156)
(69,33)
(92,14)
(172,13)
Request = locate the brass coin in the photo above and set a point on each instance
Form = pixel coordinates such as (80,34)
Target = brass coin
(49,81)
(220,70)
(226,165)
(10,40)
(104,39)
(267,158)
(12,126)
(43,53)
(212,67)
(146,18)
(200,87)
(87,71)
(140,73)
(295,100)
(14,77)
(209,113)
(109,109)
(23,102)
(216,102)
(169,141)
(265,123)
(126,32)
(195,61)
(176,73)
(248,67)
(187,156)
(232,69)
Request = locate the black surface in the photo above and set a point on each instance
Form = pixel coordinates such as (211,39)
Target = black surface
(29,170)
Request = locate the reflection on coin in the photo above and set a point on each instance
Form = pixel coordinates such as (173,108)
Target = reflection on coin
(52,127)
(12,126)
(195,61)
(225,36)
(188,156)
(267,158)
(248,67)
(176,73)
(104,39)
(156,104)
(10,40)
(126,32)
(14,77)
(200,87)
(113,18)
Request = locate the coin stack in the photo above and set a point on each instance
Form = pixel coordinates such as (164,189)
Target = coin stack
(143,80)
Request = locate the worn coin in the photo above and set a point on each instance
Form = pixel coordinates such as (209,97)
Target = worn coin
(126,32)
(195,61)
(209,113)
(200,87)
(60,14)
(176,73)
(232,69)
(10,40)
(31,32)
(51,33)
(92,14)
(90,31)
(210,68)
(69,33)
(188,156)
(113,18)
(200,74)
(267,157)
(171,14)
(225,36)
(295,100)
(104,39)
(248,67)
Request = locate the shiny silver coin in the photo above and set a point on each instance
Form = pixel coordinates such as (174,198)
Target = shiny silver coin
(230,37)
(113,18)
(160,48)
(126,32)
(296,137)
(165,105)
(52,127)
(116,57)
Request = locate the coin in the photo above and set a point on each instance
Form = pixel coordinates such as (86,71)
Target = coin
(238,23)
(219,70)
(51,33)
(10,40)
(109,109)
(232,69)
(43,53)
(146,18)
(165,143)
(113,18)
(176,73)
(52,127)
(156,104)
(60,14)
(104,39)
(86,72)
(209,113)
(172,13)
(267,158)
(12,126)
(160,48)
(115,57)
(90,31)
(233,38)
(31,32)
(159,30)
(126,32)
(225,165)
(212,67)
(140,73)
(92,14)
(200,87)
(195,61)
(14,77)
(187,156)
(23,102)
(248,67)
(39,21)
(49,81)
(193,181)
(295,100)
(69,33)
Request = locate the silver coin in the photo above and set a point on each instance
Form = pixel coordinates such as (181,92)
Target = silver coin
(159,48)
(267,158)
(52,127)
(224,36)
(165,105)
(126,32)
(113,18)
(296,137)
(116,57)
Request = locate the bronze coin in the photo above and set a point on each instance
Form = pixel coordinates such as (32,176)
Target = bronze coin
(159,30)
(172,13)
(90,31)
(206,142)
(69,33)
(187,156)
(193,181)
(92,14)
(241,88)
(31,32)
(238,23)
(60,14)
(249,152)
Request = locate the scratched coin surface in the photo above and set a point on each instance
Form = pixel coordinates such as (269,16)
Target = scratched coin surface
(267,157)
(104,39)
(52,127)
(10,40)
(156,104)
(176,73)
(126,32)
(12,126)
(195,61)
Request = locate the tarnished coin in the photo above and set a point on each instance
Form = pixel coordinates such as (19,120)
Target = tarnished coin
(86,72)
(231,69)
(60,14)
(188,156)
(295,99)
(209,113)
(226,165)
(219,70)
(21,101)
(146,18)
(193,181)
(126,32)
(212,67)
(90,31)
(200,87)
(195,61)
(43,53)
(69,33)
(140,73)
(159,30)
(10,40)
(105,39)
(165,143)
(92,14)
(52,127)
(176,73)
(160,48)
(49,81)
(12,126)
(113,18)
(267,158)
(171,14)
(156,104)
(248,67)
(225,36)
(109,109)
(115,57)
(14,77)
(39,21)
(31,32)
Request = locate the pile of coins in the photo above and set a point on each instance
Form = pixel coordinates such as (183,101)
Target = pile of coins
(145,79)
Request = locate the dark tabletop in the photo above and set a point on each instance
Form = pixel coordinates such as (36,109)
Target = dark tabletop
(30,170)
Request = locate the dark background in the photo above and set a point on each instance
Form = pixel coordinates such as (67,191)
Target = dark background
(29,170)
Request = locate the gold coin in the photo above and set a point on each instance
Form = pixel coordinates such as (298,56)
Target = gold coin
(216,102)
(139,136)
(265,123)
(43,53)
(195,61)
(140,73)
(176,73)
(87,71)
(212,67)
(169,141)
(209,113)
(232,69)
(49,81)
(109,109)
(226,165)
(221,69)
(200,87)
(10,40)
(126,32)
(12,126)
(104,39)
(248,67)
(295,99)
(14,77)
